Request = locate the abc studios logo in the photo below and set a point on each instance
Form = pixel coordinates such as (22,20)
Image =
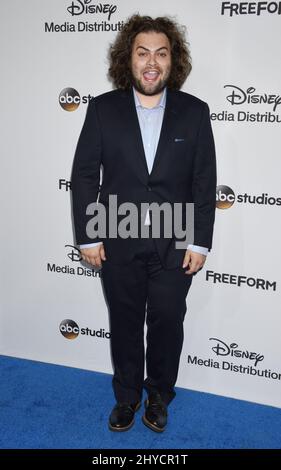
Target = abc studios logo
(69,99)
(69,329)
(225,197)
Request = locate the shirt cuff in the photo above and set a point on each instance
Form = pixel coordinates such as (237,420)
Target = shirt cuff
(198,249)
(90,245)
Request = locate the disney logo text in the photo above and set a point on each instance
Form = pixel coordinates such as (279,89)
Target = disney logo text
(78,7)
(222,349)
(239,96)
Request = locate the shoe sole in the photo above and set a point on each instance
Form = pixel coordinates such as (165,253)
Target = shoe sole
(151,426)
(126,428)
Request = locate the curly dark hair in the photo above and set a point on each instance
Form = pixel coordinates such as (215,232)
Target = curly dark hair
(120,51)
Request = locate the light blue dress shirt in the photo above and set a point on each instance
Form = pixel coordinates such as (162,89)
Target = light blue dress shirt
(150,121)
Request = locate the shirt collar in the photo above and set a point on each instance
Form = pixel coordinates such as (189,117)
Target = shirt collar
(161,103)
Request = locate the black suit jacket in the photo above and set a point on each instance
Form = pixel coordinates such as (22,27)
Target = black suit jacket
(184,168)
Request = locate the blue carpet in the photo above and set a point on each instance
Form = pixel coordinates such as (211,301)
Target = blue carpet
(45,406)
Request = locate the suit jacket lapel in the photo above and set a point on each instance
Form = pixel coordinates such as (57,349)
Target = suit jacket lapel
(133,135)
(166,129)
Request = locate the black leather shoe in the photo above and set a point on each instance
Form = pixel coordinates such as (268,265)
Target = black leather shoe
(156,414)
(122,416)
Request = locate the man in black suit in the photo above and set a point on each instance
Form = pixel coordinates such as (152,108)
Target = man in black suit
(155,145)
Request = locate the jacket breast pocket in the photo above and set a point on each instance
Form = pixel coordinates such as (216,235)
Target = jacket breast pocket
(181,146)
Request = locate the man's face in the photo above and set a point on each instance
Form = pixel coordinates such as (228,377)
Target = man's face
(151,62)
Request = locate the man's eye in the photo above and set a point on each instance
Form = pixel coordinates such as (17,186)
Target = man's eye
(141,54)
(162,54)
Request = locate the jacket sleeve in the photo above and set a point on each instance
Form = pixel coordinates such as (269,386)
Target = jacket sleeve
(204,182)
(85,179)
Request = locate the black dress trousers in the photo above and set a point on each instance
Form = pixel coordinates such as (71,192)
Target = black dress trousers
(140,291)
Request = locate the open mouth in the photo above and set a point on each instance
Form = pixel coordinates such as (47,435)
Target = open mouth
(151,75)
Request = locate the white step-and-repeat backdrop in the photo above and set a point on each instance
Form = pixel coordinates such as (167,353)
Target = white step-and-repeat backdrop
(53,57)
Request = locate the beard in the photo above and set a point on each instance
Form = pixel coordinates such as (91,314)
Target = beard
(150,89)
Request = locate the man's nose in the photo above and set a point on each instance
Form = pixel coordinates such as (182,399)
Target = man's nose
(152,59)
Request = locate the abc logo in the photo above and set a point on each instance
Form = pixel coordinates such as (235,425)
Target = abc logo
(225,197)
(69,329)
(69,99)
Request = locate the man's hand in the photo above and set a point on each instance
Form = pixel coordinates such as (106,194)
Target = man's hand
(94,255)
(194,261)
